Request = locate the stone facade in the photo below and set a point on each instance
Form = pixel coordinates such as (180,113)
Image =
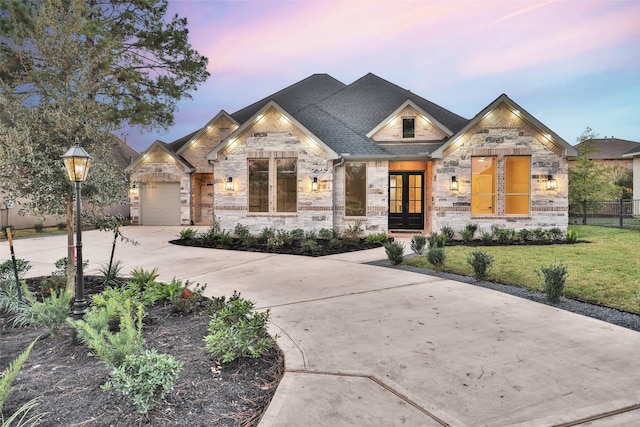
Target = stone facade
(500,134)
(273,137)
(157,165)
(424,129)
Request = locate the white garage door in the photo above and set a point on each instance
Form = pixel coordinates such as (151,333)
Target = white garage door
(160,203)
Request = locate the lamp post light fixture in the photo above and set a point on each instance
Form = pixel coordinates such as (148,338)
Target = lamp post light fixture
(77,162)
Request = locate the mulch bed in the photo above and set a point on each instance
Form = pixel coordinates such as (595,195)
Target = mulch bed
(67,380)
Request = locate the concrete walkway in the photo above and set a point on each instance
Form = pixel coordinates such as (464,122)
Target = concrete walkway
(372,346)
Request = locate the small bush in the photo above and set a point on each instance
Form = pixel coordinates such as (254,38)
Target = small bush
(249,241)
(539,234)
(448,232)
(395,252)
(266,234)
(481,262)
(436,257)
(525,234)
(555,233)
(38,227)
(61,225)
(354,231)
(188,234)
(554,280)
(6,269)
(326,234)
(418,242)
(472,228)
(110,274)
(113,332)
(241,231)
(486,237)
(52,311)
(377,238)
(4,230)
(297,234)
(467,235)
(311,234)
(572,236)
(225,238)
(336,243)
(188,300)
(147,377)
(143,278)
(437,240)
(309,246)
(237,331)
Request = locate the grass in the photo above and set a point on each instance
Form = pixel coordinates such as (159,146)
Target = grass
(604,271)
(30,232)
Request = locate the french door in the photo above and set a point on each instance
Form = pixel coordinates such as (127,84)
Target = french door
(406,200)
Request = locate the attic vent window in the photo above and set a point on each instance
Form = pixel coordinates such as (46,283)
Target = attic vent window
(408,128)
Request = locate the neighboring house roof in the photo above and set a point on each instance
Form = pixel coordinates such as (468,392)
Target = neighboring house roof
(568,150)
(632,153)
(123,154)
(608,148)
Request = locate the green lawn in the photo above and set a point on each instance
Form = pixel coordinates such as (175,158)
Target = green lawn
(605,271)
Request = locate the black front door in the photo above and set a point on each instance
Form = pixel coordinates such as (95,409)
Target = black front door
(406,204)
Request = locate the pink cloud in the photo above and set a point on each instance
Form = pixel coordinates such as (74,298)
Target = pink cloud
(576,34)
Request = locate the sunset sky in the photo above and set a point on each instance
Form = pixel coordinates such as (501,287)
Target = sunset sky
(571,63)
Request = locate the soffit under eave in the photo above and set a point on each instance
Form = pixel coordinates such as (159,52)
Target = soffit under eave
(161,146)
(409,103)
(549,138)
(209,124)
(227,143)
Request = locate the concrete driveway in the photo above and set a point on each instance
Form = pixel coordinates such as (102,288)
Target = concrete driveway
(371,346)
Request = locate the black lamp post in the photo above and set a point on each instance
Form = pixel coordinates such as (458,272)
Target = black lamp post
(77,162)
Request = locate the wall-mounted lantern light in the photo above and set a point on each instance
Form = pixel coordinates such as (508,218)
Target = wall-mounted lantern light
(453,185)
(133,191)
(229,184)
(314,184)
(551,183)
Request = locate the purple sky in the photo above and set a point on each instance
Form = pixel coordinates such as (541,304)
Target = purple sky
(572,63)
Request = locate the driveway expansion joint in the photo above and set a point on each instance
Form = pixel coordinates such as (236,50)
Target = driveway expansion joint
(379,383)
(600,416)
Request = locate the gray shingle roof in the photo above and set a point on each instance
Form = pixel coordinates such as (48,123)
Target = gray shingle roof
(609,148)
(293,98)
(369,100)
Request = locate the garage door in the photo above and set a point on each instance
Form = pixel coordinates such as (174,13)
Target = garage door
(160,203)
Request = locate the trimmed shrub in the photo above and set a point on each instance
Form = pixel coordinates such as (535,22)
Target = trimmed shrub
(237,331)
(467,235)
(448,232)
(486,237)
(377,238)
(481,262)
(147,377)
(395,252)
(38,227)
(555,276)
(437,257)
(309,246)
(437,240)
(418,242)
(241,231)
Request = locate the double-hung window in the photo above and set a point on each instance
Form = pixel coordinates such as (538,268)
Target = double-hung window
(510,173)
(282,195)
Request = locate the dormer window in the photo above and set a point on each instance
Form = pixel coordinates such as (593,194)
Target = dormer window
(408,127)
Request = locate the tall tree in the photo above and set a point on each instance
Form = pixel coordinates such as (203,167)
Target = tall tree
(82,68)
(590,180)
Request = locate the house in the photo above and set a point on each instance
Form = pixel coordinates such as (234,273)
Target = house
(10,211)
(323,154)
(608,151)
(634,156)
